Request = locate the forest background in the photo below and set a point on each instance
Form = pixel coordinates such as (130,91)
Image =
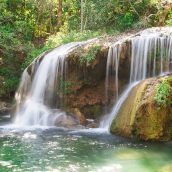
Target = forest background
(30,27)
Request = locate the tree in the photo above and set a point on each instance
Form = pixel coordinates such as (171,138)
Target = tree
(166,7)
(59,13)
(82,15)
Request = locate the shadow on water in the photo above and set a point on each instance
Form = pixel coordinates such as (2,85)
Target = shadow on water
(5,119)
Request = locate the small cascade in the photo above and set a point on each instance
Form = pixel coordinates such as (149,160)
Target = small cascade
(36,93)
(150,55)
(113,63)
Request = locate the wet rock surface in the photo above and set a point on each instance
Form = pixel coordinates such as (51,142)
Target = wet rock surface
(140,116)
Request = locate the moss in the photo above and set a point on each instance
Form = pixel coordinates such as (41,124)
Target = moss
(93,111)
(96,111)
(149,122)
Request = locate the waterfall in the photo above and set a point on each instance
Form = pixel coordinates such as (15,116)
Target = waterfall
(114,51)
(36,92)
(150,55)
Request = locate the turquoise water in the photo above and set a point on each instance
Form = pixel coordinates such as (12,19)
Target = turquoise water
(60,150)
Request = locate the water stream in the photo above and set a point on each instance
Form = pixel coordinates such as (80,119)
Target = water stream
(34,98)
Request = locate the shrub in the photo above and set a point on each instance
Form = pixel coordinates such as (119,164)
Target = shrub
(90,55)
(169,19)
(162,93)
(63,38)
(57,40)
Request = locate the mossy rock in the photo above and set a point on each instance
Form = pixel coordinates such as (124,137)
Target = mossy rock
(141,116)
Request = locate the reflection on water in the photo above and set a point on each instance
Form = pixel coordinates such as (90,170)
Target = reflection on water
(60,150)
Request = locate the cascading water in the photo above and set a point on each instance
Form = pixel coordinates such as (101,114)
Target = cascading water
(151,55)
(34,93)
(114,51)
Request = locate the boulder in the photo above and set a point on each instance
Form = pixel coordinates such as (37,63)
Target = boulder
(79,115)
(67,121)
(147,113)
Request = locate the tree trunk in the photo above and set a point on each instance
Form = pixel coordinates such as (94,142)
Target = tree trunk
(82,16)
(59,14)
(166,7)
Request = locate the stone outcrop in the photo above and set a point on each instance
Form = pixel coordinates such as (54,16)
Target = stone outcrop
(144,114)
(5,108)
(86,81)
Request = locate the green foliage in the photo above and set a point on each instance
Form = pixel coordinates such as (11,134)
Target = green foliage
(63,38)
(34,52)
(128,20)
(169,19)
(95,111)
(65,87)
(117,14)
(57,40)
(10,81)
(89,56)
(162,93)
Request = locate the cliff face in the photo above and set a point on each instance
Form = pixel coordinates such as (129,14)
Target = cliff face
(80,88)
(83,92)
(146,113)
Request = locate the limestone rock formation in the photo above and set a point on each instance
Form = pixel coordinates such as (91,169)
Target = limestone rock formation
(147,113)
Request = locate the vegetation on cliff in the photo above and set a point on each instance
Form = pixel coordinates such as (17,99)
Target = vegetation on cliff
(162,93)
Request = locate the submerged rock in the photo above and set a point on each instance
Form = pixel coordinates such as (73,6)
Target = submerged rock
(67,121)
(147,113)
(79,115)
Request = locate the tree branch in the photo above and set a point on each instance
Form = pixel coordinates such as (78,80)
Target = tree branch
(134,8)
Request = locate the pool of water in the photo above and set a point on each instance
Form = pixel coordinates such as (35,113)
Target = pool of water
(59,150)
